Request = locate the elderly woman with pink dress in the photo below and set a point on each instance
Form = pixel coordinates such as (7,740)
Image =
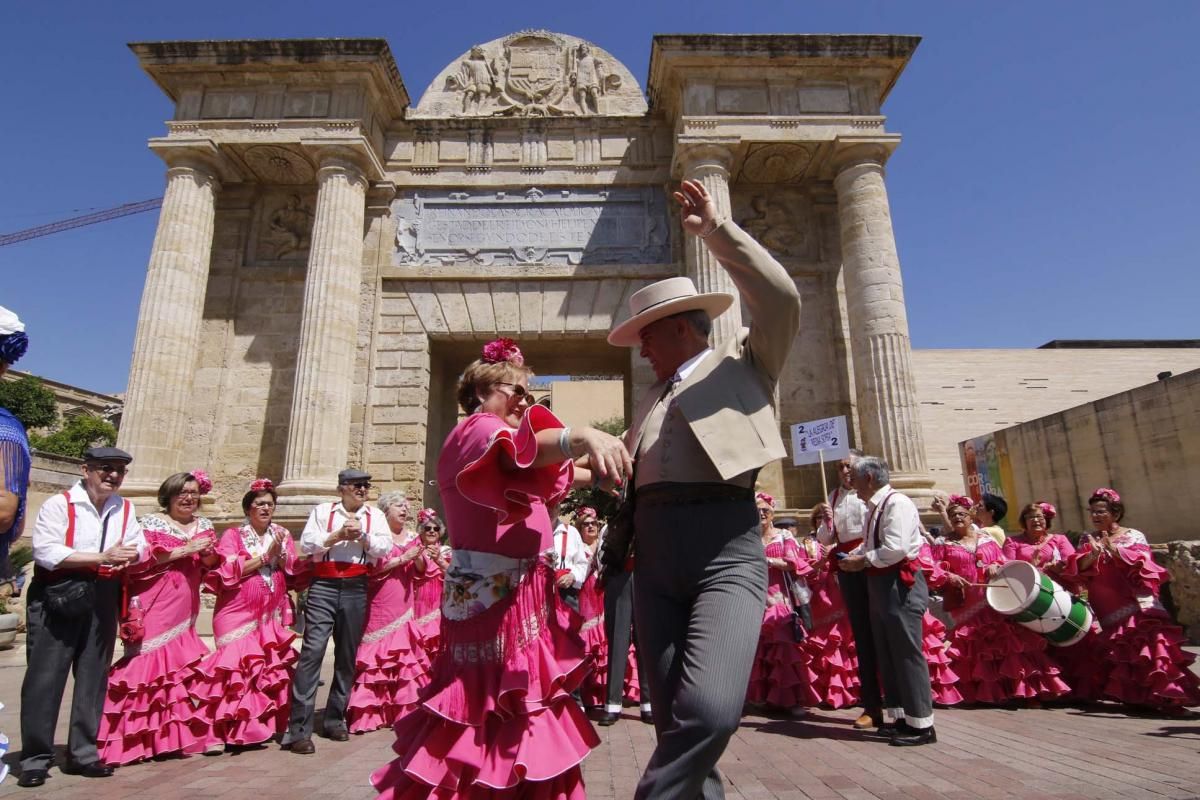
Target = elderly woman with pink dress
(591,613)
(431,559)
(997,661)
(391,666)
(249,675)
(149,710)
(1137,657)
(498,719)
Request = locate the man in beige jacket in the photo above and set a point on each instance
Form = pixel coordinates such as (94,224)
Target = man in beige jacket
(699,437)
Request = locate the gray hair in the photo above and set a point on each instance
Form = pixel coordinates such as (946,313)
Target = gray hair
(393,498)
(854,454)
(874,467)
(699,320)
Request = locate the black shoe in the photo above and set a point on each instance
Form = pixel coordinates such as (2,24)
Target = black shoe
(608,718)
(302,747)
(338,735)
(914,737)
(96,769)
(648,717)
(31,778)
(890,729)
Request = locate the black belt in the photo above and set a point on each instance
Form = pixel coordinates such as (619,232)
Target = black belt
(690,494)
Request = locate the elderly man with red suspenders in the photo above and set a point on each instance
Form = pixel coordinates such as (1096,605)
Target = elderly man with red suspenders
(342,537)
(82,540)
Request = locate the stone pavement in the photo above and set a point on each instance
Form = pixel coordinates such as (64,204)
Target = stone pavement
(981,753)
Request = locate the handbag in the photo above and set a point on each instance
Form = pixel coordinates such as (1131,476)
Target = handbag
(72,597)
(799,596)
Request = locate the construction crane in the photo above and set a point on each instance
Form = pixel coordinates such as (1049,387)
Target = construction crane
(79,222)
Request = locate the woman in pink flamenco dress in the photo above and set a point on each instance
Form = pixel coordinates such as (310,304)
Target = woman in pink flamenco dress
(781,676)
(249,676)
(391,667)
(149,709)
(591,611)
(1049,552)
(1137,658)
(498,720)
(431,560)
(829,648)
(998,661)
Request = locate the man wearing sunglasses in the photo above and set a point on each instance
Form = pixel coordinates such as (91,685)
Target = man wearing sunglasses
(342,538)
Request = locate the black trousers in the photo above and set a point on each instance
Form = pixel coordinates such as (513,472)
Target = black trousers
(700,585)
(618,629)
(857,600)
(55,646)
(337,607)
(897,619)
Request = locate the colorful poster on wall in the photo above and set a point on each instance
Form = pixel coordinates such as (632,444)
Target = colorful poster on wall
(988,470)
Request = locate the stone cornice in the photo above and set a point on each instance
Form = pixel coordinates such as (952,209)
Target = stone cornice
(200,153)
(173,64)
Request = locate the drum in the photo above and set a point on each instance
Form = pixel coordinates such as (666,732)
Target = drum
(1036,601)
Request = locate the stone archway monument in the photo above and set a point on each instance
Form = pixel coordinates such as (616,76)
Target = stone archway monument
(329,255)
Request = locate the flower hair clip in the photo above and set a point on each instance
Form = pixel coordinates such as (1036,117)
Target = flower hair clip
(262,485)
(765,499)
(585,512)
(204,482)
(425,515)
(1107,494)
(959,500)
(1048,510)
(499,350)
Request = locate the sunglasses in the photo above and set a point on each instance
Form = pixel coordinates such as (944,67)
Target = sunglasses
(107,468)
(518,391)
(358,485)
(434,528)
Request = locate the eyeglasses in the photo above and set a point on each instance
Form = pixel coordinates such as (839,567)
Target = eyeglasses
(519,391)
(188,494)
(589,524)
(358,485)
(105,469)
(263,504)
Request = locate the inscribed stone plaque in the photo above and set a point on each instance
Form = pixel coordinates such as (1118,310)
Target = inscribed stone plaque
(534,226)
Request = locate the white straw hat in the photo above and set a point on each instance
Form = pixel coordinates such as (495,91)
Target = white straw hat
(662,299)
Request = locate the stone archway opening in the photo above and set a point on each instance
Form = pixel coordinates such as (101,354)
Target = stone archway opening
(571,358)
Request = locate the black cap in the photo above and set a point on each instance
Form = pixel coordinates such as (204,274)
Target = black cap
(350,475)
(106,454)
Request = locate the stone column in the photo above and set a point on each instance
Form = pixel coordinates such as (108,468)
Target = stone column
(168,331)
(319,430)
(709,165)
(889,420)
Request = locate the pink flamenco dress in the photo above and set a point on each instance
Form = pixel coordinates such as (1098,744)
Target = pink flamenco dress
(781,676)
(248,678)
(591,628)
(997,660)
(148,710)
(391,666)
(832,660)
(497,720)
(1137,657)
(428,582)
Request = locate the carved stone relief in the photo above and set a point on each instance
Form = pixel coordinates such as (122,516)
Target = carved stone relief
(282,228)
(533,74)
(274,164)
(782,220)
(778,162)
(532,226)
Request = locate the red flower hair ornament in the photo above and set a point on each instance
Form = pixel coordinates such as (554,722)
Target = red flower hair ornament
(1048,510)
(203,482)
(426,515)
(765,499)
(960,500)
(585,512)
(1107,494)
(499,350)
(262,485)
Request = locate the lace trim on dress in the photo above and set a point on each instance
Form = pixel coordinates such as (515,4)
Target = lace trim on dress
(150,645)
(254,546)
(391,627)
(591,623)
(429,618)
(492,651)
(242,631)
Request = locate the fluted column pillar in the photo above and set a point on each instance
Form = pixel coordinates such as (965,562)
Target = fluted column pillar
(168,330)
(319,430)
(709,165)
(888,413)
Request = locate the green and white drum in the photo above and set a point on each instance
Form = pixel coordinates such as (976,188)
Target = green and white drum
(1035,600)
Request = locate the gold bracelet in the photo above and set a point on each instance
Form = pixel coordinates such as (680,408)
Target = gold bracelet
(716,223)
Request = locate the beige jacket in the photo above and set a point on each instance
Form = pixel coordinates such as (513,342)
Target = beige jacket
(729,399)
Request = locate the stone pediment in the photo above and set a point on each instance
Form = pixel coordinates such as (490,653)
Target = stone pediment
(533,73)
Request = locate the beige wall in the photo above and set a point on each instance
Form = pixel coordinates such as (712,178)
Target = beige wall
(1145,443)
(967,393)
(587,402)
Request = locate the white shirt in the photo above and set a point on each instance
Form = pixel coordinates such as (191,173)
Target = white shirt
(578,556)
(319,529)
(899,529)
(95,530)
(849,512)
(689,366)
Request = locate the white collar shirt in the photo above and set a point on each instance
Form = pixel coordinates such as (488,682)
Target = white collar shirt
(689,366)
(849,512)
(96,530)
(328,518)
(575,557)
(898,525)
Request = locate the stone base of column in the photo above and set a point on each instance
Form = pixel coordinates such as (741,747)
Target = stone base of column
(143,495)
(919,488)
(297,498)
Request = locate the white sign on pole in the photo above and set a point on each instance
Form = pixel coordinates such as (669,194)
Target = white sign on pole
(821,439)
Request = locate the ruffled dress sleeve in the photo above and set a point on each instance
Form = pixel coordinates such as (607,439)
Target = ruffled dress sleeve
(484,439)
(797,559)
(1136,562)
(228,572)
(935,575)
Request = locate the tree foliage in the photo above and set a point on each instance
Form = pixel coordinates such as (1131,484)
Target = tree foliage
(29,401)
(77,435)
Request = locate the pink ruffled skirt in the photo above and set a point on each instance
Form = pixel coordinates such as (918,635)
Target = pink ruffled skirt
(390,672)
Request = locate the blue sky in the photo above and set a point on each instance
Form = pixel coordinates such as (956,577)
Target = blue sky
(1047,186)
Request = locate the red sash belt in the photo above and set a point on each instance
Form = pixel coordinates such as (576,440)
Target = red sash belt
(846,547)
(101,571)
(907,568)
(338,569)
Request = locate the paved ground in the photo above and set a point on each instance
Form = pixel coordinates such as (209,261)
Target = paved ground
(982,753)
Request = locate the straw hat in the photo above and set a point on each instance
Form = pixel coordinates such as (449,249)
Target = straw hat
(662,299)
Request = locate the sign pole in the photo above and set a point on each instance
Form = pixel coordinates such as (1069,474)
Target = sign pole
(824,485)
